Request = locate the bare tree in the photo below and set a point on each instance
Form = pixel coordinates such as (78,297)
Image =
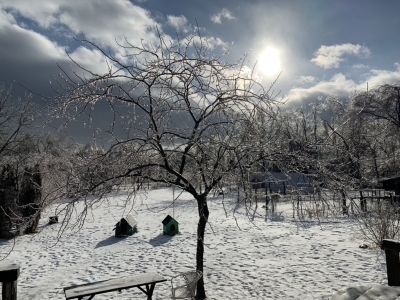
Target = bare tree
(16,117)
(380,108)
(177,115)
(382,103)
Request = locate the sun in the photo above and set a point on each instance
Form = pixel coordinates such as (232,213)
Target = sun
(269,62)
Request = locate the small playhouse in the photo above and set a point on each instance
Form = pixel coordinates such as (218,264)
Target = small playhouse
(170,226)
(126,226)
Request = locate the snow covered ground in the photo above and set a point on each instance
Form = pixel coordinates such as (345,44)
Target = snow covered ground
(258,258)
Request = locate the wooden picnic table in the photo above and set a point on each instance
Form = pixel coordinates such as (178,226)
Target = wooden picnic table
(144,282)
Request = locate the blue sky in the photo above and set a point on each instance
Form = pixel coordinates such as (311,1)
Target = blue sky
(325,48)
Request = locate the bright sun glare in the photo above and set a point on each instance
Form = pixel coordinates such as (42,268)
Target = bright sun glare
(269,62)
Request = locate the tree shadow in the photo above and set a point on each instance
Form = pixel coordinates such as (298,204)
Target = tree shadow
(109,241)
(4,241)
(160,240)
(44,225)
(274,216)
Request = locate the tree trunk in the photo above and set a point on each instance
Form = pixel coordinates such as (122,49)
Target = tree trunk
(203,219)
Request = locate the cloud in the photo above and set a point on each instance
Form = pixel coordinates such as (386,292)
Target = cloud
(90,59)
(338,86)
(211,42)
(43,13)
(380,77)
(102,22)
(217,18)
(342,87)
(306,79)
(25,46)
(31,58)
(329,57)
(360,66)
(179,23)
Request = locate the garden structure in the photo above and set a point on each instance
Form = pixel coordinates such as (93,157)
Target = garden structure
(170,226)
(126,226)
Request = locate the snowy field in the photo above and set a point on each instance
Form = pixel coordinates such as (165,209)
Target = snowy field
(265,257)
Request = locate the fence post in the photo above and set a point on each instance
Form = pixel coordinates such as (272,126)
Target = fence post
(9,273)
(392,249)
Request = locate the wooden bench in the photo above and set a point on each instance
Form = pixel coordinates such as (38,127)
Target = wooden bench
(9,273)
(144,282)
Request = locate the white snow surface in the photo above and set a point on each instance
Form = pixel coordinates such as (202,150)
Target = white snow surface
(245,258)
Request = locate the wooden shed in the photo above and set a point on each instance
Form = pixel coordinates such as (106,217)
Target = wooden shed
(126,226)
(170,226)
(391,184)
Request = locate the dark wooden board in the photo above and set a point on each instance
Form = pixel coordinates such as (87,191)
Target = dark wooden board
(9,271)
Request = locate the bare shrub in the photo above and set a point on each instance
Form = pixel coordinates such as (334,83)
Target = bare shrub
(380,222)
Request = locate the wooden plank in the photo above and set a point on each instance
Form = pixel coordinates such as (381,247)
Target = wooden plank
(392,248)
(391,244)
(112,285)
(393,267)
(9,290)
(8,271)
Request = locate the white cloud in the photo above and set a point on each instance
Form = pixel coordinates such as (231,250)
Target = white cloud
(44,13)
(211,42)
(23,45)
(179,23)
(380,77)
(91,59)
(360,66)
(338,85)
(102,22)
(217,18)
(306,79)
(343,87)
(329,57)
(34,58)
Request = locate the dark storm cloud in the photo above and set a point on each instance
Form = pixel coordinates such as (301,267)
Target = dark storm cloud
(357,38)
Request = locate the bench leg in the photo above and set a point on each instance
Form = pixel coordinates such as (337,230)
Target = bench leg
(9,290)
(393,266)
(149,290)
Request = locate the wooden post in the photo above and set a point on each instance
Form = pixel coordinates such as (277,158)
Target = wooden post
(255,195)
(363,202)
(392,249)
(9,273)
(345,210)
(9,290)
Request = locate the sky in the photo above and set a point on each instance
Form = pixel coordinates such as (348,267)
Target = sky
(319,48)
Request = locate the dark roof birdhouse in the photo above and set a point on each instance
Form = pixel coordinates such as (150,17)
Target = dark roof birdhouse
(126,226)
(170,226)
